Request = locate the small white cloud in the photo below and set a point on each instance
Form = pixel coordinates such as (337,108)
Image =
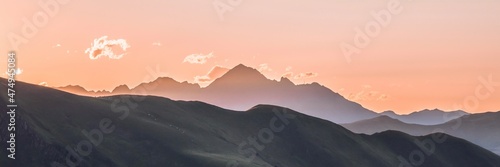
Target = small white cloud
(57,45)
(305,75)
(287,75)
(43,84)
(372,93)
(288,68)
(264,67)
(102,47)
(18,71)
(382,97)
(202,79)
(198,58)
(366,94)
(214,73)
(156,44)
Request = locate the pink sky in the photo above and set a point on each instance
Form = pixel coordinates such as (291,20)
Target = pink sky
(430,55)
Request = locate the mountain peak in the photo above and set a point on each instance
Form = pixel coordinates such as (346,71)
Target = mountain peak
(121,89)
(241,75)
(242,68)
(388,112)
(164,79)
(286,81)
(385,118)
(428,110)
(71,86)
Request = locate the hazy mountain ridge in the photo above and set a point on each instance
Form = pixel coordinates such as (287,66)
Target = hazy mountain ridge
(244,87)
(162,132)
(426,117)
(481,129)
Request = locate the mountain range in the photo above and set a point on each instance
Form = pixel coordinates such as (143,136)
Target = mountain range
(243,87)
(55,128)
(426,117)
(482,129)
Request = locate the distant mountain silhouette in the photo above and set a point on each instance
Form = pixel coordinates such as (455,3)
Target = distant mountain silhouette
(122,89)
(76,89)
(55,126)
(244,87)
(482,129)
(426,117)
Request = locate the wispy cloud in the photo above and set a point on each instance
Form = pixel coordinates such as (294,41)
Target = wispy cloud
(264,67)
(382,97)
(43,84)
(156,44)
(102,47)
(198,58)
(214,73)
(18,71)
(368,95)
(305,75)
(202,79)
(287,75)
(289,68)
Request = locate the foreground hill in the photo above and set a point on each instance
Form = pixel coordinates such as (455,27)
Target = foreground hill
(55,128)
(482,129)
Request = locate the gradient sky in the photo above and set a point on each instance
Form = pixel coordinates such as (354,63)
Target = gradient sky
(429,56)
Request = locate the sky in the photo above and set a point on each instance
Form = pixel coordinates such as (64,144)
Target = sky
(398,55)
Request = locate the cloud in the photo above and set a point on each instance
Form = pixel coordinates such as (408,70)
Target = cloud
(198,58)
(18,71)
(368,95)
(102,47)
(305,75)
(202,79)
(382,97)
(287,75)
(372,93)
(57,45)
(156,44)
(264,67)
(214,73)
(357,96)
(288,68)
(43,84)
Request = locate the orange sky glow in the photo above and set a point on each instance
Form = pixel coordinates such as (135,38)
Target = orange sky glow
(428,54)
